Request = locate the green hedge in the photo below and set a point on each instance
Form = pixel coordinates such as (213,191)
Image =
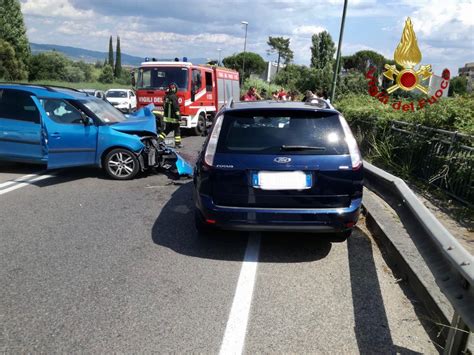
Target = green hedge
(452,113)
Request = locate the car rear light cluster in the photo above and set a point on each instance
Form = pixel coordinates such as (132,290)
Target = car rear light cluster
(212,144)
(356,158)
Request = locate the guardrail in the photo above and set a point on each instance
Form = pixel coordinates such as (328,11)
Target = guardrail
(451,265)
(441,158)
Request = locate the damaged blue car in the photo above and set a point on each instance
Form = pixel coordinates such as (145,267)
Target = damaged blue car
(62,127)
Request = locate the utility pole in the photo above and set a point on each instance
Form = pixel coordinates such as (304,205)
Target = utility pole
(338,55)
(245,47)
(219,61)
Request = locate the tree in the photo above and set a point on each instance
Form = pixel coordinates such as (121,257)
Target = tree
(254,63)
(13,31)
(107,75)
(48,66)
(458,85)
(11,68)
(361,60)
(118,60)
(281,46)
(111,53)
(322,50)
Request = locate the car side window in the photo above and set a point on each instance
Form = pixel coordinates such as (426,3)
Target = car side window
(18,105)
(132,94)
(61,111)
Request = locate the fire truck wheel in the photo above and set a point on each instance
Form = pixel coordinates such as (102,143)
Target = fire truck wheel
(200,129)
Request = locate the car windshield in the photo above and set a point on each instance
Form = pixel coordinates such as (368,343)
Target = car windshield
(116,93)
(278,131)
(104,111)
(161,77)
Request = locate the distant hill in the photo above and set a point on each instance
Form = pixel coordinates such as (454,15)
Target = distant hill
(89,56)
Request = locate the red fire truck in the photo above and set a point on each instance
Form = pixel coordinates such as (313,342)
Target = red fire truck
(202,90)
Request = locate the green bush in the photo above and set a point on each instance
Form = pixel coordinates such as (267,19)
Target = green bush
(263,88)
(107,75)
(456,113)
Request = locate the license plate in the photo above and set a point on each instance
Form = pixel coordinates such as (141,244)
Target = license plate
(282,180)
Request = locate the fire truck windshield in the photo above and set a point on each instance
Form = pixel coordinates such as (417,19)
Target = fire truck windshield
(160,77)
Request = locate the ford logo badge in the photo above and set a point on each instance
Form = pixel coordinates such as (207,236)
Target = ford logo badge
(282,160)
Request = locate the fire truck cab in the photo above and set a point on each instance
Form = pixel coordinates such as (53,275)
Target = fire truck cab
(202,90)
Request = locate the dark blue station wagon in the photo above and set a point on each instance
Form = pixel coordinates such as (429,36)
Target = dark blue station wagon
(279,166)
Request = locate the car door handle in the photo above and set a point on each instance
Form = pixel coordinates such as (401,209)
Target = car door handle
(55,135)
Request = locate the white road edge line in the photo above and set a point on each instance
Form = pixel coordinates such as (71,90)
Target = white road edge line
(236,328)
(22,182)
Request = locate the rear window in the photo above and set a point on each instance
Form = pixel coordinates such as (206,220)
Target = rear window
(277,132)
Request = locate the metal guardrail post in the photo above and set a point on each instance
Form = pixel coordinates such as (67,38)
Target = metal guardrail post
(457,337)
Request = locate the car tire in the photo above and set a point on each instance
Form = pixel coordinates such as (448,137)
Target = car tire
(200,129)
(202,227)
(341,236)
(129,108)
(121,164)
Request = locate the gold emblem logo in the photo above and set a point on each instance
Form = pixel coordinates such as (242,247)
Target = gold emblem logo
(408,55)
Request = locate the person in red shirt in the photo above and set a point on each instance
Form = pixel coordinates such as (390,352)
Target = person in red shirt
(251,95)
(282,95)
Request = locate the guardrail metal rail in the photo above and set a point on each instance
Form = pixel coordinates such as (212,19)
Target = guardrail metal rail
(453,266)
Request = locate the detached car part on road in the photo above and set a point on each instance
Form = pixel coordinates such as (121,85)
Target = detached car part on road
(62,127)
(279,166)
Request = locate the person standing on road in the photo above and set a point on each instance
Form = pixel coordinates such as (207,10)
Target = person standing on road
(171,115)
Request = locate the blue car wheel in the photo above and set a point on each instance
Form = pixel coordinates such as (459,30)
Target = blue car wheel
(121,164)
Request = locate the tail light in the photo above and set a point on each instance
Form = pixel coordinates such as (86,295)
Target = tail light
(356,159)
(212,144)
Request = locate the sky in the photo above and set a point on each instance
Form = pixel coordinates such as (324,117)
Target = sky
(168,29)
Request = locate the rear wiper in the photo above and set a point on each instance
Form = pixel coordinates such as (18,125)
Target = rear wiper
(301,147)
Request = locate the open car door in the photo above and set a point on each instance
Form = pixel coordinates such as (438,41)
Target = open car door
(71,138)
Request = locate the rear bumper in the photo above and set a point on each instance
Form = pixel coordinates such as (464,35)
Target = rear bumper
(320,220)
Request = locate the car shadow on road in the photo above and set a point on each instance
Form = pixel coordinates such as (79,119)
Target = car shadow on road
(174,229)
(371,321)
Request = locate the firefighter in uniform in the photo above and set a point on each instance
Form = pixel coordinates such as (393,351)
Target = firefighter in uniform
(171,115)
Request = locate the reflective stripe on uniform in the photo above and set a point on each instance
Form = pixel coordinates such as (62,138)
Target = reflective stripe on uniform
(170,120)
(177,138)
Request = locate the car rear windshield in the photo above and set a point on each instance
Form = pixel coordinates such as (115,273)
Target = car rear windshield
(277,131)
(116,93)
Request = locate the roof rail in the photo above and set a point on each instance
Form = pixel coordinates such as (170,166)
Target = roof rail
(52,87)
(47,87)
(230,103)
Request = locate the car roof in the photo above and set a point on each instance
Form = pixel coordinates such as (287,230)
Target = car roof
(120,89)
(44,91)
(279,105)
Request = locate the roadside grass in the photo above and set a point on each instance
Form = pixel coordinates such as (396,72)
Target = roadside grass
(82,85)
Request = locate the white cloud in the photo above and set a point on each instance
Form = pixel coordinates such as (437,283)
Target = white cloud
(56,8)
(308,30)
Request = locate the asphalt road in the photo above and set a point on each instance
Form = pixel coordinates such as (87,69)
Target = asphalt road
(93,265)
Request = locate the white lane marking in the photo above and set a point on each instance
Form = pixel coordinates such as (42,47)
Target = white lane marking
(21,182)
(234,336)
(20,179)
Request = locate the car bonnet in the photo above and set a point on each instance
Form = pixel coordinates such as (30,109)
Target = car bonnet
(140,121)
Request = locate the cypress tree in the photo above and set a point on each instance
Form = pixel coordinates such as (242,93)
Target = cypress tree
(118,59)
(13,31)
(111,53)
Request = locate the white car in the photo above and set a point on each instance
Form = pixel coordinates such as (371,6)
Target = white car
(123,99)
